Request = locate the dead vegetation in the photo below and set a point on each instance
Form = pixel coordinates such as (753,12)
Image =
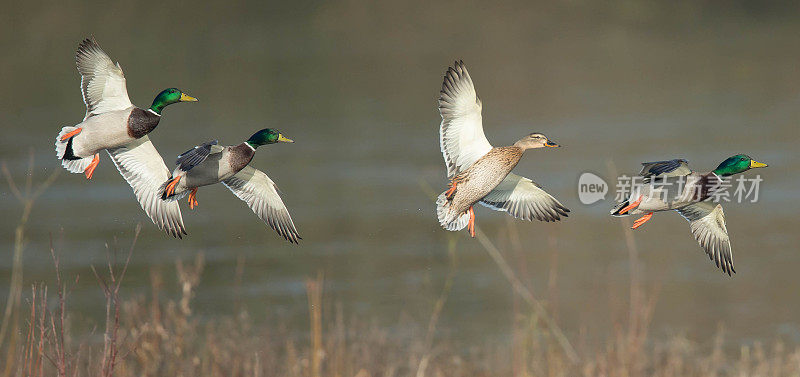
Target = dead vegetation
(155,334)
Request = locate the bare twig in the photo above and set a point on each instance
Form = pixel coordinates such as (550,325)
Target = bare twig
(314,291)
(518,286)
(58,333)
(27,198)
(526,295)
(437,308)
(111,352)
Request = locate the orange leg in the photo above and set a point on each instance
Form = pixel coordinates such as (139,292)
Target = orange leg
(170,189)
(471,224)
(452,190)
(193,198)
(93,165)
(640,221)
(631,206)
(71,134)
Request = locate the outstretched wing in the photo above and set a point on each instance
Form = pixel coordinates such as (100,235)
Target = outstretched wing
(707,223)
(144,169)
(102,81)
(261,194)
(461,134)
(668,168)
(523,199)
(195,156)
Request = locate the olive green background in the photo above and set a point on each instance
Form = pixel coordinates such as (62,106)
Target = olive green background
(355,84)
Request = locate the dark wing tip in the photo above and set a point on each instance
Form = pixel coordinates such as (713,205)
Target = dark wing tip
(451,83)
(177,232)
(560,209)
(292,237)
(87,44)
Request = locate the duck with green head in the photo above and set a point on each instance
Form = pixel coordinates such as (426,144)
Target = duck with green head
(672,185)
(210,163)
(114,124)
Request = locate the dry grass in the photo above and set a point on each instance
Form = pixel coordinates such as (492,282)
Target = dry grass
(154,335)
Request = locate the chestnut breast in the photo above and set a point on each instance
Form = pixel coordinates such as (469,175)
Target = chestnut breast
(141,122)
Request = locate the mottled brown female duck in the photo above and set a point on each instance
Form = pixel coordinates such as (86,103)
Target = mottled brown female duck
(478,172)
(210,163)
(112,123)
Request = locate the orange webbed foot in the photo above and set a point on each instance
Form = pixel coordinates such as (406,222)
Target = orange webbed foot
(71,134)
(471,224)
(452,190)
(89,171)
(631,206)
(170,189)
(193,198)
(640,221)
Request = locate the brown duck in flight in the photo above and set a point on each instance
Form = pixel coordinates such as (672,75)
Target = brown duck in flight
(478,172)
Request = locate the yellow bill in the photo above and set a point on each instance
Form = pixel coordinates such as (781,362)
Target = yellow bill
(756,164)
(187,98)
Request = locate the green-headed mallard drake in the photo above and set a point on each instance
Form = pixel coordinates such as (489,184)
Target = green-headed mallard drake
(209,163)
(671,185)
(113,123)
(478,172)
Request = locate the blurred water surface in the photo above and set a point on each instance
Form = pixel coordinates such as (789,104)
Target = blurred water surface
(355,83)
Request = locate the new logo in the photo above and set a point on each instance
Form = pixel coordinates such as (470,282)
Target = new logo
(591,188)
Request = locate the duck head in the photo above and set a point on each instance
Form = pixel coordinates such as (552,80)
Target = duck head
(267,136)
(168,97)
(739,163)
(535,140)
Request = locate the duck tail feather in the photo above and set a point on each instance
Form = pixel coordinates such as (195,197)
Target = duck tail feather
(69,160)
(448,218)
(619,207)
(175,195)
